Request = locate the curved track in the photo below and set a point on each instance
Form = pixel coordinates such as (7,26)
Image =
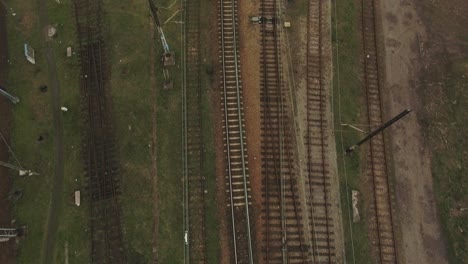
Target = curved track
(234,134)
(381,220)
(283,230)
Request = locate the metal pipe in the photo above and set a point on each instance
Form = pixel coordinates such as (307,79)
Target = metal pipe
(378,130)
(12,98)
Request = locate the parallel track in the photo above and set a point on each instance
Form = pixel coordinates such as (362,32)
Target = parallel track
(238,185)
(101,164)
(381,220)
(283,234)
(195,205)
(321,225)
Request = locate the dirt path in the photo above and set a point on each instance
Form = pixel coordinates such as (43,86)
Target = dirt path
(55,202)
(249,44)
(221,195)
(154,163)
(420,237)
(7,251)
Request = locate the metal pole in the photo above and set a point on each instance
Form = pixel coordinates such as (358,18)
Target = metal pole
(12,98)
(378,130)
(22,171)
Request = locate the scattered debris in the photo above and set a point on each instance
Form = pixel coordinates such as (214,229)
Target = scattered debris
(52,31)
(77,198)
(256,19)
(12,98)
(9,233)
(30,54)
(356,217)
(15,195)
(43,88)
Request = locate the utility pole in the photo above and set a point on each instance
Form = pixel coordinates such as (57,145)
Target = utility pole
(168,58)
(22,171)
(12,98)
(7,233)
(378,130)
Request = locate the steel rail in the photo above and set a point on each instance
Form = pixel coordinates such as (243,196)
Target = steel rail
(285,244)
(240,127)
(384,229)
(314,83)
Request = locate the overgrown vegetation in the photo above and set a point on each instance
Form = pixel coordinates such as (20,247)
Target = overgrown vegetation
(447,128)
(348,108)
(127,31)
(209,89)
(32,118)
(445,118)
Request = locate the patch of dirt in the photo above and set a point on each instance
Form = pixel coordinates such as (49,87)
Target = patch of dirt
(27,24)
(250,73)
(154,163)
(296,41)
(221,195)
(419,238)
(7,249)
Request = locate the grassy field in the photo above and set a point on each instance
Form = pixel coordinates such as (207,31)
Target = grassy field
(208,7)
(129,28)
(33,117)
(127,35)
(445,119)
(447,128)
(348,108)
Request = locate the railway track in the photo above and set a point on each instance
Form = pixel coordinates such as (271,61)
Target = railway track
(100,162)
(193,138)
(237,177)
(321,222)
(282,215)
(380,219)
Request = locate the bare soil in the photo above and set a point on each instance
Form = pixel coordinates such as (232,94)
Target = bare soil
(406,38)
(295,58)
(154,164)
(249,42)
(215,94)
(7,249)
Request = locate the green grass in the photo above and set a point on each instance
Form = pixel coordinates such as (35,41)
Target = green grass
(447,136)
(127,36)
(348,103)
(209,89)
(444,121)
(127,41)
(33,117)
(169,148)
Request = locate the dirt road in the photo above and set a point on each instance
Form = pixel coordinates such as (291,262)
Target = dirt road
(56,199)
(421,239)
